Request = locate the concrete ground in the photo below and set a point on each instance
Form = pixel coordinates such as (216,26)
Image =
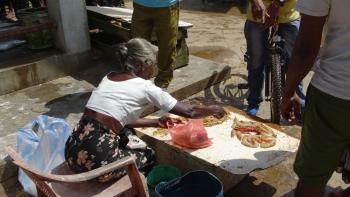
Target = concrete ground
(217,35)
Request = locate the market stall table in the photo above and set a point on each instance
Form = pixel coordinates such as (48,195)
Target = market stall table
(227,158)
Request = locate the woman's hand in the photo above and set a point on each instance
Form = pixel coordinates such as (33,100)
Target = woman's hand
(164,121)
(197,111)
(217,111)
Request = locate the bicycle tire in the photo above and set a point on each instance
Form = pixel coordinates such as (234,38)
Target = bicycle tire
(276,88)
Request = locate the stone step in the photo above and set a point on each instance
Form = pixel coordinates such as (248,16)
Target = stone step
(66,97)
(37,67)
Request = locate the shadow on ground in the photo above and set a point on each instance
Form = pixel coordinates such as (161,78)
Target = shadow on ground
(224,93)
(63,106)
(251,187)
(100,66)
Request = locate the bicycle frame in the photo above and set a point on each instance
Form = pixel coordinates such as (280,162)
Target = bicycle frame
(275,46)
(275,74)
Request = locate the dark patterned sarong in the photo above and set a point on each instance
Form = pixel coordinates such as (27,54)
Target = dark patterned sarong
(92,145)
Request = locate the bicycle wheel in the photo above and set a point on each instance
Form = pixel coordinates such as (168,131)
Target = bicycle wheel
(276,88)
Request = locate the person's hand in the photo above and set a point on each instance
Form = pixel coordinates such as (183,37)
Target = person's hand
(272,14)
(165,121)
(344,165)
(291,108)
(217,111)
(259,11)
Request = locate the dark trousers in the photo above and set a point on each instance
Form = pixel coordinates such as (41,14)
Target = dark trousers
(256,35)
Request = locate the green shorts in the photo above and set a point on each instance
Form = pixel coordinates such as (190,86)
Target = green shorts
(325,134)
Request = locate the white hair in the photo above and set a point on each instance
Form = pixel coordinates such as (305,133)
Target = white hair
(136,53)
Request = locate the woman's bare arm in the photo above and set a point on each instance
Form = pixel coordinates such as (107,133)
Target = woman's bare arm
(197,111)
(143,122)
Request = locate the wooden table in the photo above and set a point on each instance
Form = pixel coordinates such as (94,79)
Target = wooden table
(189,160)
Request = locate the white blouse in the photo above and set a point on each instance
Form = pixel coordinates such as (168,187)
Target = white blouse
(126,100)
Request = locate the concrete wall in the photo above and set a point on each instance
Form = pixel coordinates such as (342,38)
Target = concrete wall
(42,71)
(72,34)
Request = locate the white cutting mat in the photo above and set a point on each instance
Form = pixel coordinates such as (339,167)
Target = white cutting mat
(229,154)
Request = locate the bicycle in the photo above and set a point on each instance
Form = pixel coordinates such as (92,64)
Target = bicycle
(275,73)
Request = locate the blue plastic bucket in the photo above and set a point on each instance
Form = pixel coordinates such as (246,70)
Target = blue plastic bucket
(192,184)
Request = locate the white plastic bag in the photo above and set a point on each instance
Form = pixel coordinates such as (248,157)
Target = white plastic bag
(41,145)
